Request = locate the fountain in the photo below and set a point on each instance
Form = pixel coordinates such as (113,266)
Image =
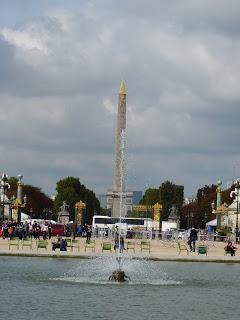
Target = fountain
(118,274)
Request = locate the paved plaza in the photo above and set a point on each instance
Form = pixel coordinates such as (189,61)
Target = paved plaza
(159,250)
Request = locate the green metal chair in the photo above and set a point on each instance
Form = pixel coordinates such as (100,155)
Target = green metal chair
(69,242)
(90,244)
(131,246)
(106,246)
(42,244)
(13,242)
(202,249)
(182,247)
(75,244)
(27,242)
(145,246)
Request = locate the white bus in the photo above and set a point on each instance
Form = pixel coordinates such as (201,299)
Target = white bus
(103,222)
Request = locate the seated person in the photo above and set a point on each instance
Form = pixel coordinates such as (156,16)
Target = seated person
(63,245)
(230,248)
(56,244)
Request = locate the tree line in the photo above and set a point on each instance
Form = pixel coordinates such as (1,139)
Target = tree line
(41,206)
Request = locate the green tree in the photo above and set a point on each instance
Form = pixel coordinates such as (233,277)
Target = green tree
(201,208)
(71,190)
(37,200)
(150,197)
(170,194)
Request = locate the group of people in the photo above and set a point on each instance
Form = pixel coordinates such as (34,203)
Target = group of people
(230,247)
(22,230)
(84,231)
(60,243)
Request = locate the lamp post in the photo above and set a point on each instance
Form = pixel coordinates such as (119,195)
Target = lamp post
(12,201)
(213,206)
(4,185)
(236,194)
(191,219)
(31,213)
(44,214)
(205,218)
(19,205)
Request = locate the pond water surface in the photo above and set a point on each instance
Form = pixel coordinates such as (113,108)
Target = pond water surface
(47,288)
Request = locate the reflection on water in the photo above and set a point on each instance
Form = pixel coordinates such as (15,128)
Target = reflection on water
(65,288)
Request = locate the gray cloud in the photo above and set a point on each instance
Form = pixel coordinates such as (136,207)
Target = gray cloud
(60,70)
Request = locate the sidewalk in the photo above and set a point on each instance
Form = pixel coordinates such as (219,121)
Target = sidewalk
(160,251)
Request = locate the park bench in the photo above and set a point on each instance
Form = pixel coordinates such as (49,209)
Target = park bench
(106,246)
(90,244)
(145,246)
(182,247)
(130,246)
(27,242)
(13,242)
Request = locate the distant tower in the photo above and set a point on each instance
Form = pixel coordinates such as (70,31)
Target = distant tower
(113,201)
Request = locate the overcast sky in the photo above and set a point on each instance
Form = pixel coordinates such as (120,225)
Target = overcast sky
(61,64)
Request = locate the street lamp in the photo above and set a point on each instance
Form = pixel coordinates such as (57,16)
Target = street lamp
(12,201)
(4,185)
(205,218)
(191,221)
(20,205)
(236,193)
(31,213)
(213,205)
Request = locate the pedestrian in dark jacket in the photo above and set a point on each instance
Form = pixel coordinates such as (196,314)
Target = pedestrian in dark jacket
(192,239)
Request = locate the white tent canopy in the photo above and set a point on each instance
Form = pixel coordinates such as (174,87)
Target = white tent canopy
(212,223)
(24,217)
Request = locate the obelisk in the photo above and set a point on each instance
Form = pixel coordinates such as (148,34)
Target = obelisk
(118,199)
(119,185)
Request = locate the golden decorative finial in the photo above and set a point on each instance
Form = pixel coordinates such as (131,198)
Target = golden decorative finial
(122,89)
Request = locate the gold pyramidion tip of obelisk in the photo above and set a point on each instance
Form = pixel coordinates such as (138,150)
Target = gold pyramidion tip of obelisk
(122,89)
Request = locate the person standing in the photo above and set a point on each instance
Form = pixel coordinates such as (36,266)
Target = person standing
(45,230)
(88,232)
(193,239)
(26,229)
(49,231)
(121,248)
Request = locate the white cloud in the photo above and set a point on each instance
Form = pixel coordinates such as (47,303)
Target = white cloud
(110,106)
(59,81)
(24,40)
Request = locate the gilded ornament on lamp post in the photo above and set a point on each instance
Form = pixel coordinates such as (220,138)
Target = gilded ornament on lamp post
(80,208)
(235,193)
(219,203)
(157,215)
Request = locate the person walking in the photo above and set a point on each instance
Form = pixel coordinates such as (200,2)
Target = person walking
(192,239)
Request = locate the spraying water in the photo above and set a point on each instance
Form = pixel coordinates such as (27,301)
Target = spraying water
(119,257)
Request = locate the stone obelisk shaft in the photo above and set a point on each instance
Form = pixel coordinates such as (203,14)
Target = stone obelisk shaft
(121,126)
